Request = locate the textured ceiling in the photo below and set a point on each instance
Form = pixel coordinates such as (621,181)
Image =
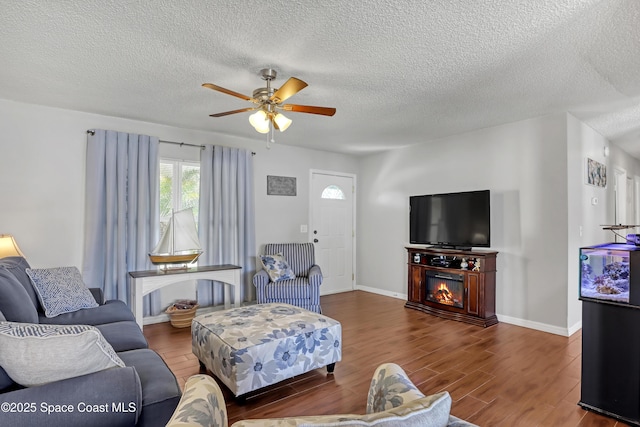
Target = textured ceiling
(398,73)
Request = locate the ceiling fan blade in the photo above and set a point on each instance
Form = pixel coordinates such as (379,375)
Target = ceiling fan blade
(227,91)
(288,89)
(324,111)
(226,113)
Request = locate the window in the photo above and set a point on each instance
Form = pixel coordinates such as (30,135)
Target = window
(333,192)
(179,188)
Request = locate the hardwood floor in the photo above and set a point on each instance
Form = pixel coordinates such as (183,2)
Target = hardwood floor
(499,376)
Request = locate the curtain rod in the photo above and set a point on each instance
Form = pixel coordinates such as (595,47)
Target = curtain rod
(183,143)
(202,147)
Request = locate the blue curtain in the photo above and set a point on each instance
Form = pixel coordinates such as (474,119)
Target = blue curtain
(226,221)
(122,212)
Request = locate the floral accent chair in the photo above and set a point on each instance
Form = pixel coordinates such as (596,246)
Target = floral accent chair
(290,275)
(393,400)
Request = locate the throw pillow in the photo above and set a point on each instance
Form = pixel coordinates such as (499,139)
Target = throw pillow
(15,304)
(429,411)
(36,354)
(61,290)
(277,267)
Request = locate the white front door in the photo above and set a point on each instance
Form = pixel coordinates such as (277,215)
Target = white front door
(332,201)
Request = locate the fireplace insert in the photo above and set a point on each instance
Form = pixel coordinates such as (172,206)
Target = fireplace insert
(445,288)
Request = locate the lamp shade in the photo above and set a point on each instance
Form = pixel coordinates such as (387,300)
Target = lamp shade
(282,121)
(259,121)
(264,127)
(9,247)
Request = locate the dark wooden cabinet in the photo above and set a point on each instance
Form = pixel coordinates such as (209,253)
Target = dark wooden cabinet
(473,271)
(473,293)
(416,274)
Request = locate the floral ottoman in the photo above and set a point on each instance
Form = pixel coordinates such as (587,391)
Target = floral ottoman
(248,348)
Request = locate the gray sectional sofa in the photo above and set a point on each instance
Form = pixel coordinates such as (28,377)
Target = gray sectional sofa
(143,392)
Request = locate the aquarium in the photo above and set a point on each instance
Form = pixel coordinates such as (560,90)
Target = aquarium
(606,272)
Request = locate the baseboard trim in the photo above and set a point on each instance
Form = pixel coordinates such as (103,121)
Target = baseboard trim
(338,291)
(575,328)
(382,292)
(552,329)
(161,318)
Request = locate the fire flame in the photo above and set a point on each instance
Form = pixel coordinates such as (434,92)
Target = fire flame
(443,294)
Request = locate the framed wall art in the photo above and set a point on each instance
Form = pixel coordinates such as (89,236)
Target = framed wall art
(596,173)
(281,185)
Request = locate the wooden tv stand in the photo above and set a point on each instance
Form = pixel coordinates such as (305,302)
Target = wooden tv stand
(479,281)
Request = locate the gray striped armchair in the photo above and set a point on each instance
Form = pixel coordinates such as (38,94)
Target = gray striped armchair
(302,291)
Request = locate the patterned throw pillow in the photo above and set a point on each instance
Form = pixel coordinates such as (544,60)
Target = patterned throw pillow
(430,411)
(35,354)
(61,290)
(277,267)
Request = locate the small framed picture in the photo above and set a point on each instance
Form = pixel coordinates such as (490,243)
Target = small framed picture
(596,173)
(281,186)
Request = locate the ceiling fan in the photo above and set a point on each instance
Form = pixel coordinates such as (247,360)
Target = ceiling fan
(269,102)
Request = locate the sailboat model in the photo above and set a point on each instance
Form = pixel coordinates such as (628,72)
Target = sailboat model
(179,243)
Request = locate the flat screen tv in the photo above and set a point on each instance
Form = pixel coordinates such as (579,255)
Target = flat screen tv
(453,220)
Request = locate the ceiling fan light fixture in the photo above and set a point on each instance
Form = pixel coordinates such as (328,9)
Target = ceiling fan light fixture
(264,128)
(259,121)
(267,101)
(282,121)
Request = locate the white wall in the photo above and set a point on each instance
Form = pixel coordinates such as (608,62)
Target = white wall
(42,182)
(586,217)
(278,218)
(42,172)
(622,159)
(524,166)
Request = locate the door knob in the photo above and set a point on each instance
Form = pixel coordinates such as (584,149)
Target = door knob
(315,240)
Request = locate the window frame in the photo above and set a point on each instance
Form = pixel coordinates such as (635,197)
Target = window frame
(333,190)
(176,188)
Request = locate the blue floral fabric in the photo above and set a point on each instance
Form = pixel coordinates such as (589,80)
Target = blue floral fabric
(202,404)
(277,267)
(248,348)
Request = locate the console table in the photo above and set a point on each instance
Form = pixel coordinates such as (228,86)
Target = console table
(143,282)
